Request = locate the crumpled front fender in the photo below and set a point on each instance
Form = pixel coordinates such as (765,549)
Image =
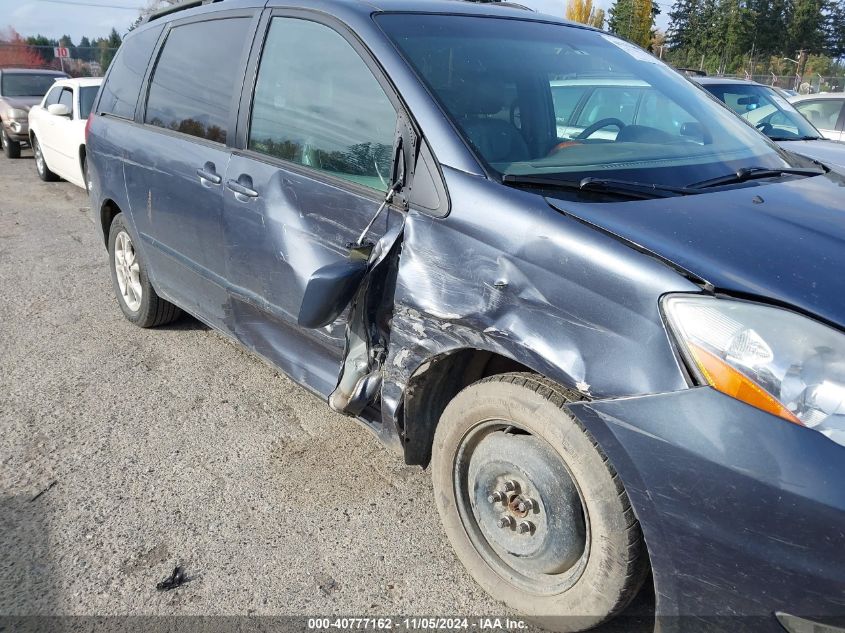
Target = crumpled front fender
(743,513)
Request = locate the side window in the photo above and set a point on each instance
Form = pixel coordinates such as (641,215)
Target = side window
(196,77)
(663,114)
(823,113)
(565,98)
(317,104)
(53,96)
(609,103)
(120,91)
(66,99)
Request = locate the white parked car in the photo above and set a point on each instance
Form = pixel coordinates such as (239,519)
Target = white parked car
(826,111)
(57,129)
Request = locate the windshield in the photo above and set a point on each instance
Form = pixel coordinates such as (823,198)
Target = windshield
(26,84)
(566,103)
(764,108)
(87,94)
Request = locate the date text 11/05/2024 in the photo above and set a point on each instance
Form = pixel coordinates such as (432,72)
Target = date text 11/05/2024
(416,624)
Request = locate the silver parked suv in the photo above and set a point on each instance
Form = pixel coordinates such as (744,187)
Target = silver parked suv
(20,89)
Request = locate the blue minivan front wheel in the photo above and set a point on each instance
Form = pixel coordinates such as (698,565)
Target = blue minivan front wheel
(533,507)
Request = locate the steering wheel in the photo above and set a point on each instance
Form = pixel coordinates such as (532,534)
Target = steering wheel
(764,126)
(601,123)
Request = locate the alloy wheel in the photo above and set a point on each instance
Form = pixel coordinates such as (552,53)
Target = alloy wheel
(39,157)
(128,270)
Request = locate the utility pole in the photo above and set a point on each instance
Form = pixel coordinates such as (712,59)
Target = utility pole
(802,67)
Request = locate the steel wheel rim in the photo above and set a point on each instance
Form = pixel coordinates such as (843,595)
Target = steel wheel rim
(128,271)
(512,567)
(39,157)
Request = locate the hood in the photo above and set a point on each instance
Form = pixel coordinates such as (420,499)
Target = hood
(23,103)
(784,241)
(831,153)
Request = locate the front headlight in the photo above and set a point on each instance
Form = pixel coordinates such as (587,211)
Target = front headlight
(770,358)
(16,113)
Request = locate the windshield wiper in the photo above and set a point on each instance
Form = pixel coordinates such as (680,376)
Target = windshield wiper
(795,138)
(627,188)
(751,173)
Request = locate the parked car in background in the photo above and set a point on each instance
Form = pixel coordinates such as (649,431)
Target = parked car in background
(824,110)
(785,92)
(600,107)
(622,354)
(20,89)
(775,117)
(57,129)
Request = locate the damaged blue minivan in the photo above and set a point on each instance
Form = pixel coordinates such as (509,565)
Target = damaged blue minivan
(607,313)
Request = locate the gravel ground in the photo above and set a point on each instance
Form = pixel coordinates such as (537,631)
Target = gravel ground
(174,446)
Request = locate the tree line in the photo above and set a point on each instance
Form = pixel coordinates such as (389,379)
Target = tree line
(37,50)
(755,37)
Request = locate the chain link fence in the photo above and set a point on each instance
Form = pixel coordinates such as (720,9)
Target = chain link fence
(808,84)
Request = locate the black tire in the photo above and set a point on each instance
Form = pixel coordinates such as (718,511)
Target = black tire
(11,148)
(44,172)
(613,562)
(84,167)
(153,310)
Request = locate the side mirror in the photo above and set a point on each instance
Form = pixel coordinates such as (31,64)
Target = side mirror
(58,109)
(329,291)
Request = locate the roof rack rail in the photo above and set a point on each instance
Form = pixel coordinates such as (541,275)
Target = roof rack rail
(173,8)
(502,3)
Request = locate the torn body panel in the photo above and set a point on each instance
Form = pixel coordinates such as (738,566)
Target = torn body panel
(506,273)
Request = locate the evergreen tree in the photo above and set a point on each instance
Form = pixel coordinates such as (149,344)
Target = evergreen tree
(85,52)
(806,28)
(108,47)
(835,30)
(633,20)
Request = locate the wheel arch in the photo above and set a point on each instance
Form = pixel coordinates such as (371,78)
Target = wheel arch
(108,211)
(437,379)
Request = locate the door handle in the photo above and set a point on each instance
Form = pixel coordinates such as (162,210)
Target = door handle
(206,172)
(240,189)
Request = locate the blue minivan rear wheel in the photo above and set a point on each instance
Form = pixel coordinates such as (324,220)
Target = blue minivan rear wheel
(135,294)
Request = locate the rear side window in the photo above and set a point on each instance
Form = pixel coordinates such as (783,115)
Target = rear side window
(565,98)
(53,96)
(823,113)
(120,92)
(610,103)
(87,94)
(317,104)
(197,75)
(66,99)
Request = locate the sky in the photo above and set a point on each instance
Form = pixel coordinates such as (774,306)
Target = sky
(95,18)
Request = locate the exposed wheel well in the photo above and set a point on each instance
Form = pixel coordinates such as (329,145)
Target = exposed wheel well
(107,213)
(434,385)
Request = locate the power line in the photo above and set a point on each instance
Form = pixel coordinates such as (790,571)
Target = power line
(79,3)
